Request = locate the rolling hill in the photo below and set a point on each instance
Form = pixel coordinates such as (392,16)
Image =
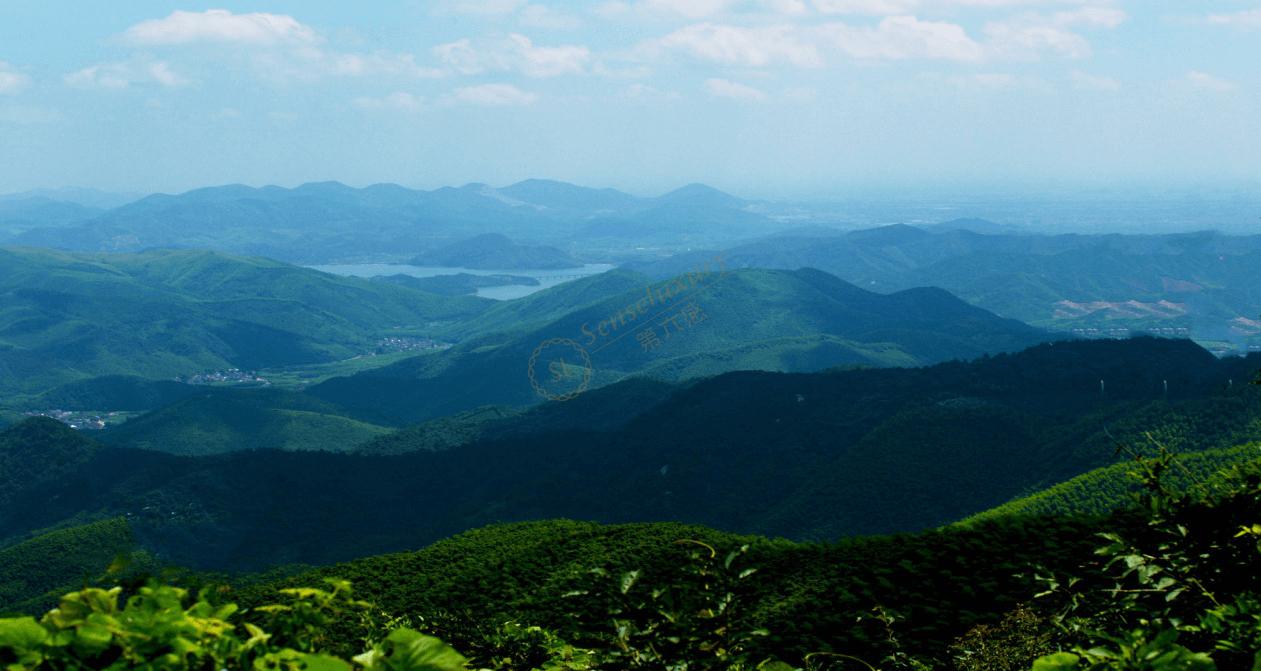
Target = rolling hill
(1198,284)
(804,456)
(213,421)
(701,324)
(160,314)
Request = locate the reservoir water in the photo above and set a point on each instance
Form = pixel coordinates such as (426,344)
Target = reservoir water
(546,278)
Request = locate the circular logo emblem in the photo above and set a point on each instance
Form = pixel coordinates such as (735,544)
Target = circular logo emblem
(559,369)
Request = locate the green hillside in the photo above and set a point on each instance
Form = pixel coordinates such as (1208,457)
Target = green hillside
(39,453)
(605,409)
(216,421)
(850,452)
(503,319)
(809,597)
(704,323)
(579,596)
(57,561)
(66,317)
(1110,488)
(1198,284)
(118,392)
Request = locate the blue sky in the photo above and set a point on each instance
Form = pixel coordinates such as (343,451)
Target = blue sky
(761,97)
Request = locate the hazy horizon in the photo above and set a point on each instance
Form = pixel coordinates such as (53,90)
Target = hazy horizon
(763,98)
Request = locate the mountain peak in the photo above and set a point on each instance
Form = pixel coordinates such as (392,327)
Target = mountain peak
(702,193)
(323,187)
(555,194)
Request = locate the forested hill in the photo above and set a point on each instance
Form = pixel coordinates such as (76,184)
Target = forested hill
(819,455)
(1203,284)
(790,321)
(167,313)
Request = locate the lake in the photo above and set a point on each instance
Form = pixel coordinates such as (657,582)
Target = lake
(546,278)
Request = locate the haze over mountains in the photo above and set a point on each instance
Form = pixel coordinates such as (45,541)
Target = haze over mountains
(961,384)
(326,222)
(1191,284)
(1177,284)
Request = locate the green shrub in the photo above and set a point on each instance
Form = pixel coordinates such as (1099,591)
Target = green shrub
(162,627)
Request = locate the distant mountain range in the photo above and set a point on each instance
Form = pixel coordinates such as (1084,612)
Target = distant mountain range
(1183,285)
(329,222)
(91,198)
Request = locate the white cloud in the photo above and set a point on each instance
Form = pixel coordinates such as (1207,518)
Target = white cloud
(789,7)
(11,81)
(544,17)
(866,7)
(743,46)
(1090,17)
(1007,40)
(698,9)
(482,7)
(517,54)
(904,37)
(644,92)
(528,14)
(723,88)
(549,61)
(692,9)
(1088,82)
(1028,35)
(377,63)
(281,49)
(221,26)
(103,76)
(993,81)
(893,37)
(1247,19)
(162,74)
(1000,4)
(121,75)
(399,100)
(1206,82)
(494,95)
(460,56)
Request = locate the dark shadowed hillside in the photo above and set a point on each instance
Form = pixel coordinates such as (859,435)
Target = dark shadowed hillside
(849,452)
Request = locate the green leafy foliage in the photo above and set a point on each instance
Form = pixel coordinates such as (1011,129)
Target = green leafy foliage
(165,627)
(1177,592)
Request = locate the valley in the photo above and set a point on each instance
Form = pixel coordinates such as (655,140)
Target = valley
(630,335)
